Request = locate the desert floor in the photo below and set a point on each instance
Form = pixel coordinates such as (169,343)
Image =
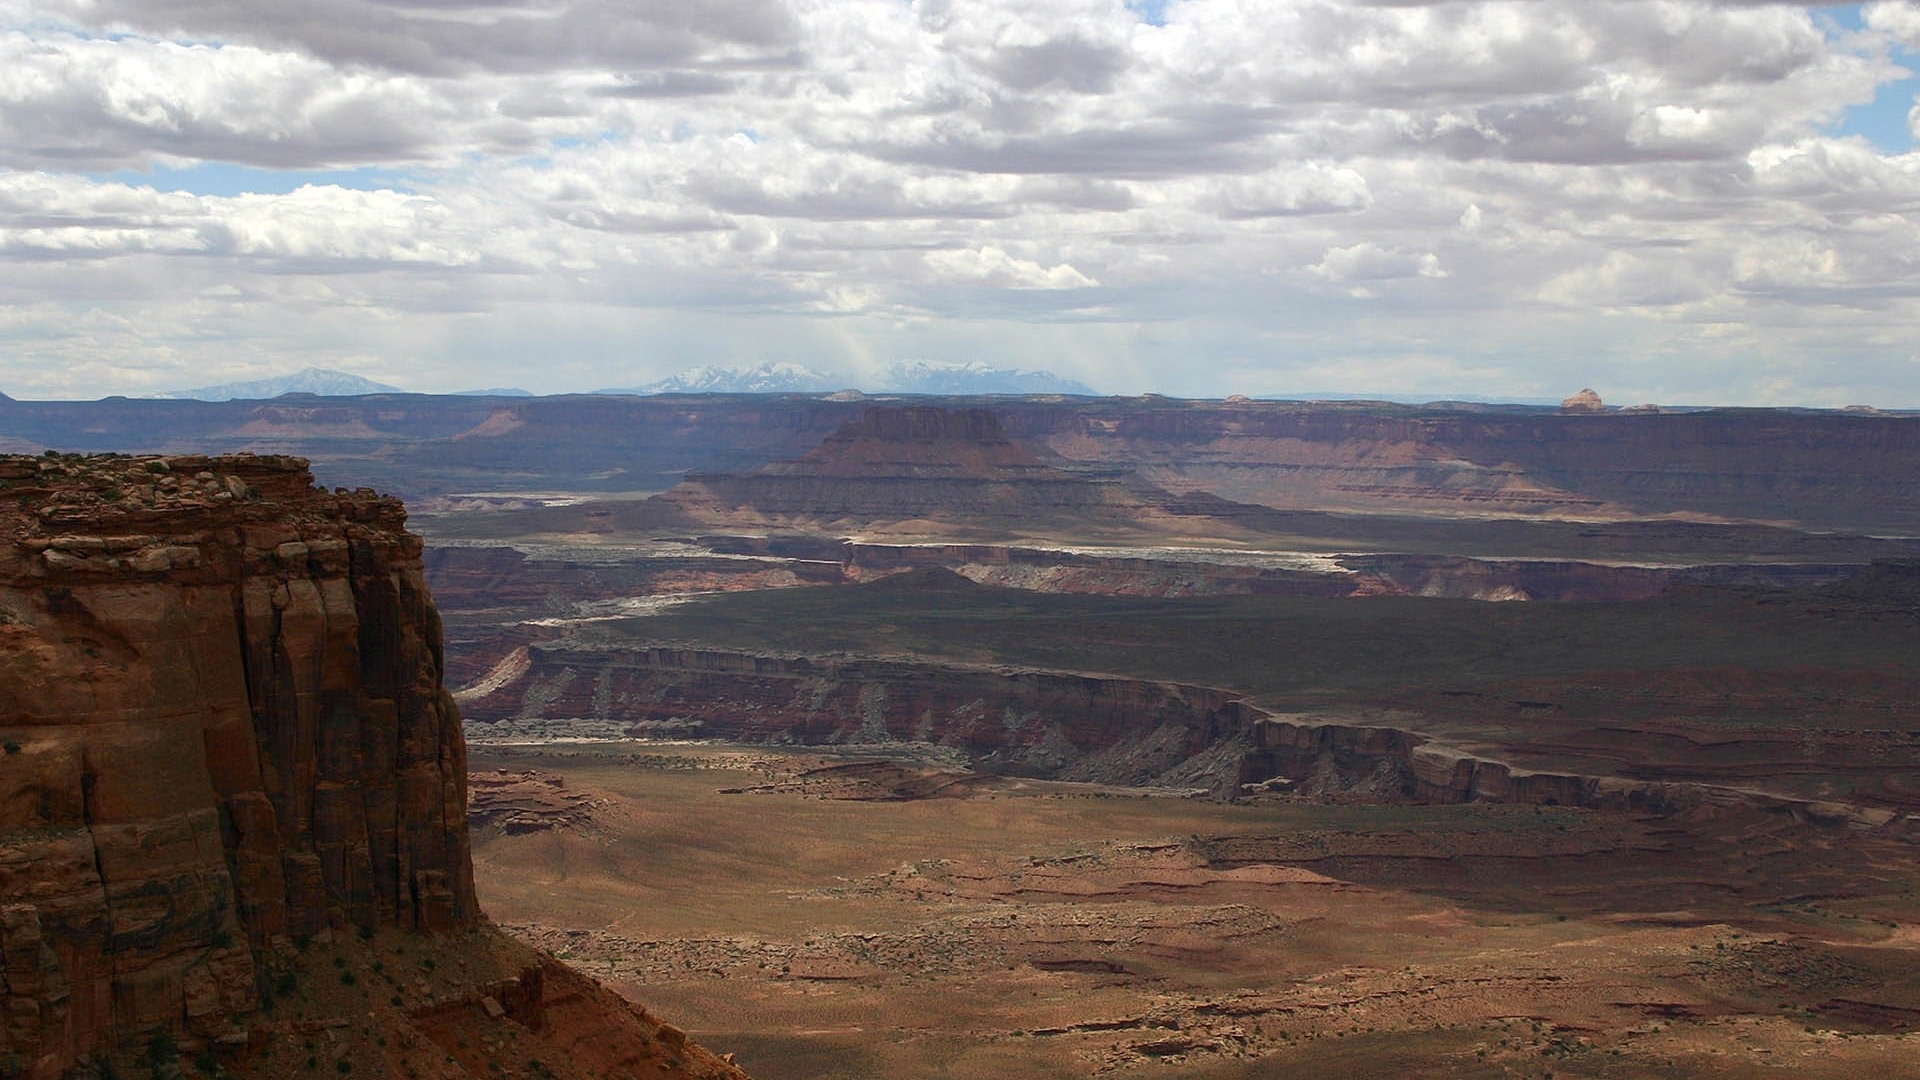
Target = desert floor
(785,907)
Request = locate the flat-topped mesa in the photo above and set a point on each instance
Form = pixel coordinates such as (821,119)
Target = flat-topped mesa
(920,442)
(924,422)
(224,727)
(894,465)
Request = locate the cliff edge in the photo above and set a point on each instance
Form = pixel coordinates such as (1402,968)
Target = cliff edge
(223,736)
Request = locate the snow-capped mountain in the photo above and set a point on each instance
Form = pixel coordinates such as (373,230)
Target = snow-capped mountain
(901,377)
(768,378)
(321,381)
(974,377)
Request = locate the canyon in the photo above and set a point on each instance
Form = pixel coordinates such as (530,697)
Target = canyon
(1665,731)
(1027,736)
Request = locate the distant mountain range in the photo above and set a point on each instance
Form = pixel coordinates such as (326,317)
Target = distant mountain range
(939,377)
(321,381)
(768,378)
(901,377)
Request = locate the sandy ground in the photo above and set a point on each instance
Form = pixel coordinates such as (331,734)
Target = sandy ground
(822,924)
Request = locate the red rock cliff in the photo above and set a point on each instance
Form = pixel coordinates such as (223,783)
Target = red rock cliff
(223,726)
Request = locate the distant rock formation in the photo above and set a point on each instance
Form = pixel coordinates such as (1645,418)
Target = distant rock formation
(527,801)
(321,382)
(1819,468)
(1586,401)
(908,464)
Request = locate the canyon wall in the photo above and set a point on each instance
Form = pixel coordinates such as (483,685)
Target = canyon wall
(1826,469)
(1106,729)
(1054,725)
(223,727)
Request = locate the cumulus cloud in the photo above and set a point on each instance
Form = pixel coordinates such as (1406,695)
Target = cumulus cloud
(1898,18)
(1057,185)
(89,103)
(315,228)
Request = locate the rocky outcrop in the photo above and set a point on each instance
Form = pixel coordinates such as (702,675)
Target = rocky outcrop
(1586,401)
(525,801)
(1383,764)
(224,728)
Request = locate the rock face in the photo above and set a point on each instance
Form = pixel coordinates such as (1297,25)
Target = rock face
(1064,726)
(1586,401)
(1054,725)
(224,727)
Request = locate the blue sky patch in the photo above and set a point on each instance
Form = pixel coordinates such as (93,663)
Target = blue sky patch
(1882,122)
(1154,12)
(221,179)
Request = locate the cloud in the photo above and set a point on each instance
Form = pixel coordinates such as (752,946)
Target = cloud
(992,266)
(1899,19)
(1500,193)
(499,36)
(315,228)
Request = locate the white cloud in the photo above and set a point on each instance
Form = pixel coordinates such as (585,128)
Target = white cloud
(1898,18)
(992,266)
(844,181)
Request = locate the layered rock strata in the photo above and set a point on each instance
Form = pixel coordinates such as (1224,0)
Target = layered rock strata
(896,465)
(1054,725)
(1065,726)
(224,727)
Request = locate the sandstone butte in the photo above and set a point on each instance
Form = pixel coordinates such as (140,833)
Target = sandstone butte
(228,757)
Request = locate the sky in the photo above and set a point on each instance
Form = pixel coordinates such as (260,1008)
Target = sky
(1671,201)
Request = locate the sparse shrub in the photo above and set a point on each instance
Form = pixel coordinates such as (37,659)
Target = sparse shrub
(12,746)
(347,979)
(206,1062)
(366,932)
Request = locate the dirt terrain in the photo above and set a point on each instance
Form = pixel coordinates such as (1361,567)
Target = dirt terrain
(1025,929)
